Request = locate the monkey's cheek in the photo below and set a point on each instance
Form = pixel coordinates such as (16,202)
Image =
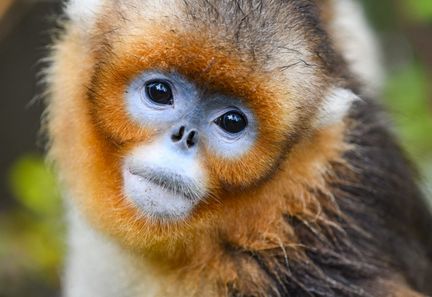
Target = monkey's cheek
(155,202)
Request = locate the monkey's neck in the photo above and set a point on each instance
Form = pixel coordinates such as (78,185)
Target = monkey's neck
(98,266)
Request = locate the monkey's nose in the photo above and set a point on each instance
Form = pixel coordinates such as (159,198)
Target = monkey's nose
(184,137)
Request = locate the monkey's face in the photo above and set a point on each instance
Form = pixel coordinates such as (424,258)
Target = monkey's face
(191,130)
(172,120)
(168,175)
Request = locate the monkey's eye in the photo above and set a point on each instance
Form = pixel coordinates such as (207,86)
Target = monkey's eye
(159,92)
(233,121)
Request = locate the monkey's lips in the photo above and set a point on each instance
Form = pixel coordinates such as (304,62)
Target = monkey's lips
(172,182)
(160,194)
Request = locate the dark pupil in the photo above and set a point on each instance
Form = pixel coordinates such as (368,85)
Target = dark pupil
(159,92)
(232,122)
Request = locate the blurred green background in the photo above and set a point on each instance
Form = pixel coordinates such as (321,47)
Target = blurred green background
(31,226)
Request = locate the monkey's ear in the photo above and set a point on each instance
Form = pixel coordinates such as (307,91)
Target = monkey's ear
(84,12)
(336,106)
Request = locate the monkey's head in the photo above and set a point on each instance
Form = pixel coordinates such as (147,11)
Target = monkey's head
(169,118)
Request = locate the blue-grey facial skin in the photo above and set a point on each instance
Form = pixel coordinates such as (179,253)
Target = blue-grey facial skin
(165,178)
(194,110)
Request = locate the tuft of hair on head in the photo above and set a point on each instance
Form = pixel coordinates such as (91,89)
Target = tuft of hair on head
(337,104)
(84,12)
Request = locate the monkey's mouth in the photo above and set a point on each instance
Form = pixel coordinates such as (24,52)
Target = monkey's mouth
(172,182)
(159,197)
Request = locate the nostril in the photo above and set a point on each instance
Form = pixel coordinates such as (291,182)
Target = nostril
(191,139)
(179,135)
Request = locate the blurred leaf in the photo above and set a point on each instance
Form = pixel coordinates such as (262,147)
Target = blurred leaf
(34,185)
(407,93)
(32,233)
(419,9)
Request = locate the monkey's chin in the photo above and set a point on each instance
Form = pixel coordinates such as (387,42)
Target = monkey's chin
(155,202)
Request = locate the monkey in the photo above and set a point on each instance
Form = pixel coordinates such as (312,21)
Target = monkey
(230,148)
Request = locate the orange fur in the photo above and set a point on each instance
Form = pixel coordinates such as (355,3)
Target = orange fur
(95,122)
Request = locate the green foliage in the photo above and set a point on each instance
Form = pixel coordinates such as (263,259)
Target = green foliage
(382,15)
(32,233)
(419,9)
(406,95)
(34,185)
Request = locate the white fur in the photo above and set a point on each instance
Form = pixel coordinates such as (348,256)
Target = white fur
(154,201)
(97,266)
(356,41)
(84,12)
(336,106)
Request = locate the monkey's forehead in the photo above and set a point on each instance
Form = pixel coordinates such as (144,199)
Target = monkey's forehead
(271,33)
